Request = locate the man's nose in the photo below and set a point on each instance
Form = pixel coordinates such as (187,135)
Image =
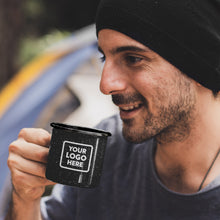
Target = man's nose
(113,80)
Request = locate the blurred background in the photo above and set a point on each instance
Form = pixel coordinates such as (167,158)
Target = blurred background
(50,71)
(27,26)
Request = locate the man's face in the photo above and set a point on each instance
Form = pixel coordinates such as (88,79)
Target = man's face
(154,97)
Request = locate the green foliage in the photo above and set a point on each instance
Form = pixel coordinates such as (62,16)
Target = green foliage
(32,46)
(45,22)
(34,8)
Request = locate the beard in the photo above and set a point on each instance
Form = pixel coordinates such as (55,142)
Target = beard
(171,122)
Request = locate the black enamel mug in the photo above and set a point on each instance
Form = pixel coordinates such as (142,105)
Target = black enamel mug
(76,155)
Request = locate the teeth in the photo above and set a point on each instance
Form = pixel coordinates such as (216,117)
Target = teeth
(137,105)
(127,108)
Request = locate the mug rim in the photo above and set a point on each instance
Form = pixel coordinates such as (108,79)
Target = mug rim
(87,130)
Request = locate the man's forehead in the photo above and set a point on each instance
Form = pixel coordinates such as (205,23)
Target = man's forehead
(118,42)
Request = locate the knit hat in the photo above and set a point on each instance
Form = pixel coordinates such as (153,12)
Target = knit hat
(186,32)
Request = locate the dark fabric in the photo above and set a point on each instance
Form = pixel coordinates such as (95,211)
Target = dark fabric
(130,189)
(185,33)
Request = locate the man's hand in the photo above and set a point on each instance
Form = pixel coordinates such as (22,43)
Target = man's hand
(27,162)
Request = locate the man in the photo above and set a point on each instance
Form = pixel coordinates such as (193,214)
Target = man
(162,68)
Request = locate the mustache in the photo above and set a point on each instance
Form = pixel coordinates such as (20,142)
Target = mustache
(123,99)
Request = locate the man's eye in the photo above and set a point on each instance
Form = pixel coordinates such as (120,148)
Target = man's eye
(102,58)
(133,59)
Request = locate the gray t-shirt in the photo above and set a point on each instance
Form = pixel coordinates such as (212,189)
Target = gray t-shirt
(130,189)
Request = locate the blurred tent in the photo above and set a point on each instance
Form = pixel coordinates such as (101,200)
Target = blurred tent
(59,85)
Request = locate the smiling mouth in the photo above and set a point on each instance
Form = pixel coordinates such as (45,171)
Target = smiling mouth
(130,108)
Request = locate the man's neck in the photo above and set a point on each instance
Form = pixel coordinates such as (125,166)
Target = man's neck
(181,165)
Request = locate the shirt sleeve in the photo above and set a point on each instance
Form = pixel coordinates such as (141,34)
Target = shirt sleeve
(61,204)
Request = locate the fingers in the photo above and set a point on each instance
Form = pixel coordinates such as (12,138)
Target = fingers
(29,151)
(35,136)
(26,180)
(27,154)
(27,161)
(17,162)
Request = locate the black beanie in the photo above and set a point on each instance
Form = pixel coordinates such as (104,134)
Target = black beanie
(184,32)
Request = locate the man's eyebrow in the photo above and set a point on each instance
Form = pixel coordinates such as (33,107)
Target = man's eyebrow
(128,48)
(125,48)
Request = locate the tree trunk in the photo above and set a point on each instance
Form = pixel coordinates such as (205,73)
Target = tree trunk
(11,19)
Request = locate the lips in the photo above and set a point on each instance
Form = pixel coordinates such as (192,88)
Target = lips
(129,104)
(130,111)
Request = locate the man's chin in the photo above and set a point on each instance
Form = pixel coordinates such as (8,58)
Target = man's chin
(133,136)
